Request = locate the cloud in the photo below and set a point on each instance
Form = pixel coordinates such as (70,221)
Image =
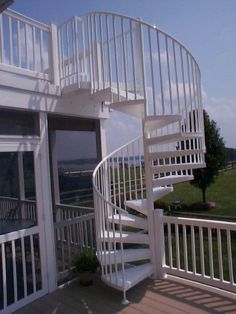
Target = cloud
(120,129)
(223,111)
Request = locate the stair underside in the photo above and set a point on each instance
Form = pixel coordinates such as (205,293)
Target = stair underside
(110,95)
(135,108)
(169,138)
(125,237)
(174,153)
(176,167)
(129,220)
(129,255)
(172,179)
(156,122)
(133,276)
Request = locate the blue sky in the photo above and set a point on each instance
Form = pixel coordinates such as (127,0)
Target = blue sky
(206,27)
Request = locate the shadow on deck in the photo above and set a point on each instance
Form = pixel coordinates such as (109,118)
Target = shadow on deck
(150,296)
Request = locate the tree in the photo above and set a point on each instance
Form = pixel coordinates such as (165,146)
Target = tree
(214,157)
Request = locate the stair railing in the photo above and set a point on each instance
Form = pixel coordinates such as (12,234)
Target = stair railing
(117,178)
(132,58)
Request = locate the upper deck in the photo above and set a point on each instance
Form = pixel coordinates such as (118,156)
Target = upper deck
(30,70)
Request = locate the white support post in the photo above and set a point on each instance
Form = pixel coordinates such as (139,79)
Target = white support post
(101,139)
(159,244)
(55,180)
(150,205)
(44,201)
(54,57)
(21,183)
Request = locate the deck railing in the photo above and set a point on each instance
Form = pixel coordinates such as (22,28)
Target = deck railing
(13,208)
(20,268)
(25,46)
(74,232)
(201,250)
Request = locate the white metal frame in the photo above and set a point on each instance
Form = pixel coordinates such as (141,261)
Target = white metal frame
(37,145)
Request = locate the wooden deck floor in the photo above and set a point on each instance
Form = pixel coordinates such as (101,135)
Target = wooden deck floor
(150,296)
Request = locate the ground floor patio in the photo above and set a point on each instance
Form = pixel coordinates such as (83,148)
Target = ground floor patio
(150,296)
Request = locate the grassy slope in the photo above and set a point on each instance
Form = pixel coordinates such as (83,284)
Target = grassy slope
(222,192)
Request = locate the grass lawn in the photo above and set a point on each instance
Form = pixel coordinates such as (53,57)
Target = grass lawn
(222,192)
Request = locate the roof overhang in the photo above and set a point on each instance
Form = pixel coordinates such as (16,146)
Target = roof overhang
(4,4)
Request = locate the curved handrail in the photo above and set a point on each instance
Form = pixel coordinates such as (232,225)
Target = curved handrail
(111,178)
(139,20)
(132,58)
(112,153)
(114,166)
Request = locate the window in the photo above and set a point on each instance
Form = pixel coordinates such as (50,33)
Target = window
(16,122)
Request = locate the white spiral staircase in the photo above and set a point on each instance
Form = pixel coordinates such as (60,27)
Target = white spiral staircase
(139,70)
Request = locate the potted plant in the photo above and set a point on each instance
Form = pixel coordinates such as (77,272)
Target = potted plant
(86,265)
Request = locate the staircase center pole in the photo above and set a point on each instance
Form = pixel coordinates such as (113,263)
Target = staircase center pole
(150,204)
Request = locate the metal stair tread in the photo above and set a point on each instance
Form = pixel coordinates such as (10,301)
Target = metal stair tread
(156,122)
(129,255)
(179,136)
(171,179)
(125,237)
(133,276)
(174,153)
(135,108)
(129,220)
(141,204)
(176,167)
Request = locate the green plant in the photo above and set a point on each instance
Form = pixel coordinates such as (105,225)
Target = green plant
(86,262)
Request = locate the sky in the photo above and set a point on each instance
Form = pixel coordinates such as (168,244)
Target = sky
(206,27)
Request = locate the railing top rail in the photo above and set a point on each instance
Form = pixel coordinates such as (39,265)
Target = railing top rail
(26,19)
(18,234)
(65,206)
(199,222)
(140,21)
(113,153)
(72,221)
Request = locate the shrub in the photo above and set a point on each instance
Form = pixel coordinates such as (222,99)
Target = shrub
(86,261)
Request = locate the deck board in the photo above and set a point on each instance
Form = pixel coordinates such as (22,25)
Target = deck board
(150,296)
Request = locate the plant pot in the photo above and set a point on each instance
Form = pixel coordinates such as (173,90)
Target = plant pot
(86,278)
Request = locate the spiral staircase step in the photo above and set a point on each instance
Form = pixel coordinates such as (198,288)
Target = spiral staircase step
(129,220)
(174,137)
(140,205)
(125,237)
(135,108)
(171,179)
(133,276)
(156,122)
(129,255)
(176,167)
(174,153)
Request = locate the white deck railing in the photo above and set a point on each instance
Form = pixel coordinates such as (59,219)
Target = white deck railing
(74,232)
(201,250)
(25,46)
(13,208)
(20,268)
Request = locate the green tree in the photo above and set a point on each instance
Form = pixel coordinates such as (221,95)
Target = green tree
(214,157)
